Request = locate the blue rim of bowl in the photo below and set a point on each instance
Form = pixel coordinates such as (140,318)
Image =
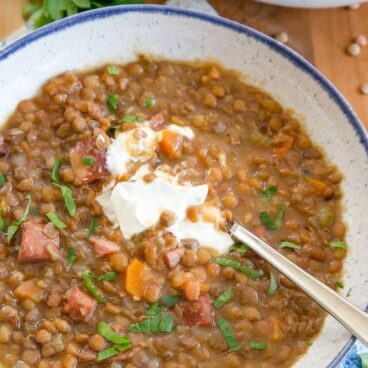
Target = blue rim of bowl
(276,46)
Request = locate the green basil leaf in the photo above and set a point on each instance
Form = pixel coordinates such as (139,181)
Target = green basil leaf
(112,102)
(2,179)
(55,8)
(110,335)
(229,337)
(12,229)
(280,215)
(39,18)
(55,170)
(222,261)
(287,244)
(71,8)
(114,350)
(258,345)
(166,324)
(68,199)
(30,8)
(2,223)
(52,216)
(108,276)
(223,298)
(239,248)
(154,324)
(92,227)
(273,284)
(338,244)
(113,70)
(71,255)
(88,160)
(87,278)
(340,284)
(170,300)
(132,119)
(269,192)
(269,223)
(83,4)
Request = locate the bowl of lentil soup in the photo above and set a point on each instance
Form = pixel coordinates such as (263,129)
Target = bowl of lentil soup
(251,131)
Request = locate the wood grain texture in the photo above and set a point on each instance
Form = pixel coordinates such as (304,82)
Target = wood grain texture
(321,36)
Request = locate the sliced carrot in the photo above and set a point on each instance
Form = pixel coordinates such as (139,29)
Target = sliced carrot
(171,144)
(277,333)
(317,185)
(29,290)
(135,277)
(285,146)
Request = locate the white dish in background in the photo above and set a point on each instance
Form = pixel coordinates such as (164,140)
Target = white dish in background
(311,3)
(118,34)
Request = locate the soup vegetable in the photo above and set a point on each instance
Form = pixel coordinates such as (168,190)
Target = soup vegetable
(116,189)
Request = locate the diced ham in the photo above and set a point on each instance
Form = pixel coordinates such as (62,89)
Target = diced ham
(88,174)
(36,245)
(199,312)
(156,121)
(79,305)
(103,247)
(172,257)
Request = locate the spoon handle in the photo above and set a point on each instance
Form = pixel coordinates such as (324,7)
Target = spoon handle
(355,320)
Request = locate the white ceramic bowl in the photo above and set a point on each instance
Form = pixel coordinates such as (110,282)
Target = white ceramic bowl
(118,34)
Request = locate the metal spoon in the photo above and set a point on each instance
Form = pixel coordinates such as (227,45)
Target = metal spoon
(355,320)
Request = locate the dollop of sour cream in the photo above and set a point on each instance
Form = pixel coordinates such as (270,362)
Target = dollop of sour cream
(136,205)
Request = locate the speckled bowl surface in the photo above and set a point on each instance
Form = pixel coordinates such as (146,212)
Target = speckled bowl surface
(119,34)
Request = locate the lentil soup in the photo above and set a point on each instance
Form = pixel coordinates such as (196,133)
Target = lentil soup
(86,282)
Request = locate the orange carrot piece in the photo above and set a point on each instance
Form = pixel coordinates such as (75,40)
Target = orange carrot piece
(277,333)
(171,144)
(29,290)
(285,146)
(317,185)
(135,276)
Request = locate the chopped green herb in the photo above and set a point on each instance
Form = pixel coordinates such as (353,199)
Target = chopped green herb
(348,294)
(258,345)
(222,261)
(52,216)
(149,101)
(2,179)
(2,223)
(340,284)
(269,223)
(364,359)
(154,309)
(287,244)
(269,192)
(65,191)
(92,227)
(108,276)
(170,300)
(223,298)
(114,350)
(273,284)
(132,119)
(309,344)
(12,229)
(55,170)
(338,244)
(71,255)
(110,335)
(88,160)
(113,70)
(239,248)
(228,334)
(68,199)
(154,324)
(87,278)
(166,324)
(112,102)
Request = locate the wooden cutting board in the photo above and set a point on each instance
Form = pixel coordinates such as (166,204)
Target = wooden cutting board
(321,36)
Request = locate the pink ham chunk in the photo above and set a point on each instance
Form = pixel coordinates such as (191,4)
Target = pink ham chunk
(87,148)
(36,245)
(199,312)
(103,247)
(172,257)
(79,305)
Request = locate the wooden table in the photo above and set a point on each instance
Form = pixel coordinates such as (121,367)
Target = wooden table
(319,35)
